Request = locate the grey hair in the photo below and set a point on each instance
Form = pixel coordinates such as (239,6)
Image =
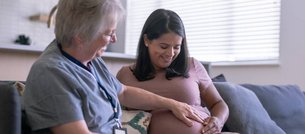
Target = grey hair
(85,19)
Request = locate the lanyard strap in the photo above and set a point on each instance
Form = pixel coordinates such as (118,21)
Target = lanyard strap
(112,102)
(110,99)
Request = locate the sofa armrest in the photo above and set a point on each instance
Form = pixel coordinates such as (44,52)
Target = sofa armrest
(10,114)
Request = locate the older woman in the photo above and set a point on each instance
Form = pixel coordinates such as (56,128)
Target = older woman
(163,67)
(69,89)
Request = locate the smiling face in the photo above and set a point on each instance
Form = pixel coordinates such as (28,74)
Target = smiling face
(164,50)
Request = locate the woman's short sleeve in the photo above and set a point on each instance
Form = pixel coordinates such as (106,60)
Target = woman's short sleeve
(202,75)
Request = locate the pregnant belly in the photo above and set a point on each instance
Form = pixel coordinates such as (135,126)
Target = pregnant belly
(164,122)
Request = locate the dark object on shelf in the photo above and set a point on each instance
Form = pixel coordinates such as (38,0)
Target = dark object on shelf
(23,40)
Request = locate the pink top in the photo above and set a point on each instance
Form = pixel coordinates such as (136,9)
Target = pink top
(179,88)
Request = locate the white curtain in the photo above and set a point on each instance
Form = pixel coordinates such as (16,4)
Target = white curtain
(216,30)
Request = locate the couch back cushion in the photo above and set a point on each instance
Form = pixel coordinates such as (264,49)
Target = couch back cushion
(247,115)
(285,105)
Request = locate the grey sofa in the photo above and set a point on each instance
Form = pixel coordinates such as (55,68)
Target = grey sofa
(263,109)
(12,119)
(10,115)
(254,109)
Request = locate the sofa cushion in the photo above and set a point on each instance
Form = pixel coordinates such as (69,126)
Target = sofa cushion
(285,105)
(247,115)
(136,121)
(219,78)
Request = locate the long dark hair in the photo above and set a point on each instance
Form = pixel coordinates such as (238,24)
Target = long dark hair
(160,22)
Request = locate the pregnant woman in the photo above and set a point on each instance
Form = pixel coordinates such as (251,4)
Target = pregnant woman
(164,67)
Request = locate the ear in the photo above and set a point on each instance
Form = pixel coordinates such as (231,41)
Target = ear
(146,40)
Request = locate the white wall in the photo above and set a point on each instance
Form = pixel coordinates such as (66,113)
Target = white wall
(292,53)
(15,21)
(15,65)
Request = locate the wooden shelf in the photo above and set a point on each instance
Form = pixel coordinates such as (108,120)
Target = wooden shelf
(15,47)
(24,48)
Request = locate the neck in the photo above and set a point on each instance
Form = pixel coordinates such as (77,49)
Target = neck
(77,53)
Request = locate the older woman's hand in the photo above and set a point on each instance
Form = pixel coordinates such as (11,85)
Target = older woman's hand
(212,125)
(186,113)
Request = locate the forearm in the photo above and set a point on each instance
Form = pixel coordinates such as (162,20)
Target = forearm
(217,106)
(220,110)
(141,99)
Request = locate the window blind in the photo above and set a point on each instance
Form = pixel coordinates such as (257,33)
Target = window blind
(216,30)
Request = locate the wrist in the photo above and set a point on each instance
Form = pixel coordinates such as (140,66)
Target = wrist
(218,121)
(168,103)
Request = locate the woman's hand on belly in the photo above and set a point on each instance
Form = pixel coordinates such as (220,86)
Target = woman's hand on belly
(165,122)
(186,113)
(212,125)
